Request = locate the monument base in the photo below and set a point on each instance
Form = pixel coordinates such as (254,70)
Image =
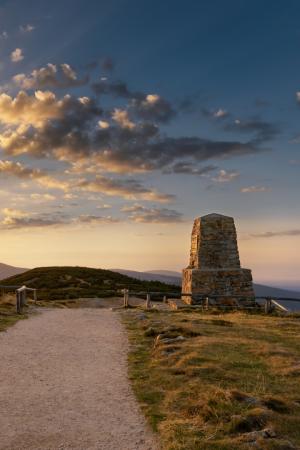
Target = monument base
(222,283)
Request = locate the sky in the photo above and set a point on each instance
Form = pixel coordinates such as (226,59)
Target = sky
(122,121)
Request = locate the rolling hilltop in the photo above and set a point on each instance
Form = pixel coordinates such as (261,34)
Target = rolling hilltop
(55,283)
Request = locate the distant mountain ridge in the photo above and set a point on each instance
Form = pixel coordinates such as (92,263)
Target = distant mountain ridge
(7,271)
(168,276)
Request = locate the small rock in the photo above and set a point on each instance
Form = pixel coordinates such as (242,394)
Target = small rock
(171,340)
(269,432)
(141,316)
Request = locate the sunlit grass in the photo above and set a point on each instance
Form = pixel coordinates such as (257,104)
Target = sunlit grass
(229,378)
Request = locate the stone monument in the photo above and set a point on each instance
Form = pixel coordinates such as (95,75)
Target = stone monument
(215,268)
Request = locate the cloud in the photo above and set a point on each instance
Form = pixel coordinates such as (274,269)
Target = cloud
(42,197)
(224,176)
(15,219)
(255,189)
(121,117)
(4,35)
(19,170)
(11,212)
(220,113)
(95,220)
(129,189)
(26,28)
(104,206)
(126,188)
(270,234)
(18,219)
(17,55)
(153,107)
(51,76)
(78,132)
(43,105)
(190,169)
(141,214)
(144,106)
(264,131)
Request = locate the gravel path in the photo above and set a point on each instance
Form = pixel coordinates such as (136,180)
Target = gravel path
(63,384)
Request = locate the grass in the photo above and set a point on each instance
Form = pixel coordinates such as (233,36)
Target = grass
(8,315)
(224,381)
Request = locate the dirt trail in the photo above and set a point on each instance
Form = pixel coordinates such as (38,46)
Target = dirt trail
(64,386)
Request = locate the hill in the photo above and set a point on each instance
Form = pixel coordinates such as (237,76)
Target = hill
(55,283)
(9,271)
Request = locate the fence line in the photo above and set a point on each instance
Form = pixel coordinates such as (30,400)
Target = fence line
(204,301)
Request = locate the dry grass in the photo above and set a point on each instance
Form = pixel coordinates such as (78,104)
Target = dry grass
(231,382)
(8,315)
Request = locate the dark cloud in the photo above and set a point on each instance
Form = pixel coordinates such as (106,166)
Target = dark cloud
(215,114)
(143,106)
(263,131)
(126,188)
(153,107)
(190,169)
(115,88)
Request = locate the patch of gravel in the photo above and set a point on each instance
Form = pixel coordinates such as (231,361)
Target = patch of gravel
(64,385)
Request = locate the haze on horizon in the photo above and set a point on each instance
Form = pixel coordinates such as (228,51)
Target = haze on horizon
(121,121)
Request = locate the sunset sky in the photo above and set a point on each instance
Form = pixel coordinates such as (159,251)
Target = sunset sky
(123,120)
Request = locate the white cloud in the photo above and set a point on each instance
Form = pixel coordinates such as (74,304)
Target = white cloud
(121,117)
(255,189)
(224,176)
(26,28)
(103,124)
(43,197)
(17,55)
(220,113)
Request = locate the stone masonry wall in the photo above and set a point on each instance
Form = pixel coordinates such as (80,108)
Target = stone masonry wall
(214,267)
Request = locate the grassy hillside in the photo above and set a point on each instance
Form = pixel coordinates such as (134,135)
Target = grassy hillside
(217,382)
(73,282)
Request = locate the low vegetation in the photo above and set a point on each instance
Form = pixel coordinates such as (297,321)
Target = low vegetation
(55,283)
(217,381)
(8,315)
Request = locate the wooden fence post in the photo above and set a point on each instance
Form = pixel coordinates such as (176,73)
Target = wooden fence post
(268,305)
(126,298)
(165,299)
(148,301)
(17,302)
